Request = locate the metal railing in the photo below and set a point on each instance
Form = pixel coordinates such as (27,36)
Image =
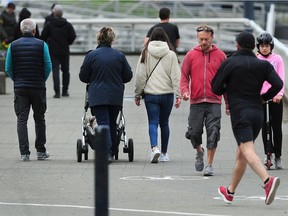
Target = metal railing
(130,33)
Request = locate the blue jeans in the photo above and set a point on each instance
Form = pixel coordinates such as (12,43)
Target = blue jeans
(106,115)
(158,109)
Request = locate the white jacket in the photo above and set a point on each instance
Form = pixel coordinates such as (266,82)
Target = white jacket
(166,76)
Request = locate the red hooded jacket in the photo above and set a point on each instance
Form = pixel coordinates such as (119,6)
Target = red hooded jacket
(198,71)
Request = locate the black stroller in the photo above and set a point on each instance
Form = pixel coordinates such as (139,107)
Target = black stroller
(88,123)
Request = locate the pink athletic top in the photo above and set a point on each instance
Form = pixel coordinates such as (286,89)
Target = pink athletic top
(277,62)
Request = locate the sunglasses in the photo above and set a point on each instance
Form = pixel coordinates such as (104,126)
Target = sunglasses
(206,29)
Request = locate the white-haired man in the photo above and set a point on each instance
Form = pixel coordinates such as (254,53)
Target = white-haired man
(28,64)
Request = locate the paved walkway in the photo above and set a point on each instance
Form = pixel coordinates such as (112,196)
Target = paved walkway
(62,186)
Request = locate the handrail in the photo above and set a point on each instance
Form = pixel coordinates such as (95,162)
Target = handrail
(130,33)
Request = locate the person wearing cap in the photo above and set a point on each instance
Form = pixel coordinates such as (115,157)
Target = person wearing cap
(198,69)
(59,34)
(241,77)
(28,64)
(265,45)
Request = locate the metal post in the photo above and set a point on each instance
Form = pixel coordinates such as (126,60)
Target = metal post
(249,10)
(90,37)
(101,171)
(2,83)
(133,41)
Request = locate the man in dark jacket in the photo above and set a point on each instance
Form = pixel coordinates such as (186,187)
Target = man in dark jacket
(28,64)
(59,34)
(241,77)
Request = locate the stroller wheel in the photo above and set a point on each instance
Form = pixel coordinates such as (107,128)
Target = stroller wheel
(130,150)
(85,151)
(79,150)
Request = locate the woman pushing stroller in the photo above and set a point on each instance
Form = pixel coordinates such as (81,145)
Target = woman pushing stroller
(106,70)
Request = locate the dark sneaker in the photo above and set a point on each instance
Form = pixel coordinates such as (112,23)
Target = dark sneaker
(270,188)
(25,157)
(57,95)
(199,161)
(208,170)
(42,155)
(228,198)
(65,94)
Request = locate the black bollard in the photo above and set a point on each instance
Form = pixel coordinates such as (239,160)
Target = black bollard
(101,170)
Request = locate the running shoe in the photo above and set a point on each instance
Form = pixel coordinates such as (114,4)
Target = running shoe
(155,154)
(199,161)
(270,188)
(228,198)
(164,157)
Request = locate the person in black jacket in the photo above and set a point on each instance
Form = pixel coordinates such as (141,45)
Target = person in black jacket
(8,23)
(106,70)
(24,14)
(241,77)
(59,34)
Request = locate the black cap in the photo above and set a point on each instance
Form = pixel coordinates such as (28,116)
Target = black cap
(246,40)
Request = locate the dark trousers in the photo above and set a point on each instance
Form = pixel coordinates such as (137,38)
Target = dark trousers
(60,62)
(24,99)
(276,116)
(106,115)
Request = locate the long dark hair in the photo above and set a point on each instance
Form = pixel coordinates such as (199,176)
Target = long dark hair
(158,34)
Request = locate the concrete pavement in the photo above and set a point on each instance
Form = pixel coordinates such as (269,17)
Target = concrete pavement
(62,186)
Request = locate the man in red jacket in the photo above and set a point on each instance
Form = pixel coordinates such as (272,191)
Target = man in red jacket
(198,69)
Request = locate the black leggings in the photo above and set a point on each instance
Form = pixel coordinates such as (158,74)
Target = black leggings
(276,115)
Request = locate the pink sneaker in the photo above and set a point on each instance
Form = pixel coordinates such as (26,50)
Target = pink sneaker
(270,188)
(228,198)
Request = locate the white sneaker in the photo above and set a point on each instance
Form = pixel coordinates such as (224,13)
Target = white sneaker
(155,155)
(278,163)
(164,157)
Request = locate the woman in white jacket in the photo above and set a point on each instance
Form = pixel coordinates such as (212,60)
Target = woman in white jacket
(158,75)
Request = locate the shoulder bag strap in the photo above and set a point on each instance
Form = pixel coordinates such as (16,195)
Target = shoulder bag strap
(152,72)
